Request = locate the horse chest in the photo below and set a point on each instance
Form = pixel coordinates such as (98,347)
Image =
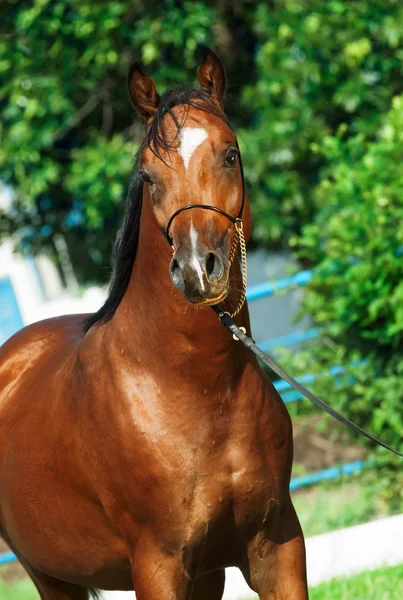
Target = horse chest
(250,478)
(239,489)
(202,482)
(228,507)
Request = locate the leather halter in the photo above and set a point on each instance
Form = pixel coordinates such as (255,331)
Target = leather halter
(233,220)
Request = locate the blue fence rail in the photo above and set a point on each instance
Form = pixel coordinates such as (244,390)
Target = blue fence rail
(7,557)
(257,292)
(269,288)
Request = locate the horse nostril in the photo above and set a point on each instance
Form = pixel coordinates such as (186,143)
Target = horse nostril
(214,266)
(176,274)
(210,263)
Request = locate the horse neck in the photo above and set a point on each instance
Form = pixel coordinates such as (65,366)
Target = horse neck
(155,320)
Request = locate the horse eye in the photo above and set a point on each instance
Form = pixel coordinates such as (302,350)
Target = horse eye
(146,178)
(231,158)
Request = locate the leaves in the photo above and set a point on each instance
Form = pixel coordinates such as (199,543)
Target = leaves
(302,80)
(355,244)
(323,70)
(66,123)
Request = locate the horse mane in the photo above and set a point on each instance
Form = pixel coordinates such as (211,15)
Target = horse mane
(126,243)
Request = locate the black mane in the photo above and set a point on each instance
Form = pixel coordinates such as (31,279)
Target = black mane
(125,247)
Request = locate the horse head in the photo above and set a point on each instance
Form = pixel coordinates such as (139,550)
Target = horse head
(192,171)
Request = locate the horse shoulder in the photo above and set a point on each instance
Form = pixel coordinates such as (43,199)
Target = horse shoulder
(31,349)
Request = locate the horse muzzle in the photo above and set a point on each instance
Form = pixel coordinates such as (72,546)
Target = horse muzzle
(201,276)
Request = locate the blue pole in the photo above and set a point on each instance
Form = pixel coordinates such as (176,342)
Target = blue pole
(291,396)
(290,338)
(268,288)
(283,386)
(7,557)
(326,475)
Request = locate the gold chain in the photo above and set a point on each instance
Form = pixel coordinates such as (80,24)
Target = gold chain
(239,239)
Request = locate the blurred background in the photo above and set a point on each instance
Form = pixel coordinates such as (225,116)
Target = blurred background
(315,91)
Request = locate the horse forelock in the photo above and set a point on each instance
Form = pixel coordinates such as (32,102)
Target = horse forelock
(159,137)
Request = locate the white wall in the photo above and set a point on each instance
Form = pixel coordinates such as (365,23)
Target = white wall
(26,280)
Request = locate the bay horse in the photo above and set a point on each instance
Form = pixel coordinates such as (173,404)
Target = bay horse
(143,447)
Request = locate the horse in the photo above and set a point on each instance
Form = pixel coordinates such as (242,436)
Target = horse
(142,447)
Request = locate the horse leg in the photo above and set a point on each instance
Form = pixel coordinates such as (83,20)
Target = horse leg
(54,589)
(158,574)
(276,567)
(209,586)
(48,587)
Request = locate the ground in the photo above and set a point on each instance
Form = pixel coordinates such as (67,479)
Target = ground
(314,451)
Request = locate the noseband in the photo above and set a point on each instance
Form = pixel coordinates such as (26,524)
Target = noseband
(239,238)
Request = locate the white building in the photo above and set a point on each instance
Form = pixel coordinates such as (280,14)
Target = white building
(31,288)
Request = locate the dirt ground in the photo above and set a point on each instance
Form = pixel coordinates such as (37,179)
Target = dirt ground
(312,452)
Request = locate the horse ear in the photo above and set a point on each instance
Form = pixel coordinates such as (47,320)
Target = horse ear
(143,94)
(212,75)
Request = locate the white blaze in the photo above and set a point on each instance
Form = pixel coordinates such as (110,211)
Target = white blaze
(190,138)
(195,262)
(193,237)
(199,271)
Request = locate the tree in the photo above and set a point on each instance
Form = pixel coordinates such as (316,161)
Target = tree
(68,133)
(355,243)
(319,65)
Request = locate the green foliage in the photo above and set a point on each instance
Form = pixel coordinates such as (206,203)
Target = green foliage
(355,242)
(319,65)
(20,590)
(356,238)
(99,172)
(384,583)
(67,128)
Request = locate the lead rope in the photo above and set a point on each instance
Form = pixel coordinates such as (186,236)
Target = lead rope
(239,240)
(239,333)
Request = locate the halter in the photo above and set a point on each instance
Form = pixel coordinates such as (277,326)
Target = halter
(239,238)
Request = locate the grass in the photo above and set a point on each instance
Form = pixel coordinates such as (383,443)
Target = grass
(19,590)
(383,584)
(341,504)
